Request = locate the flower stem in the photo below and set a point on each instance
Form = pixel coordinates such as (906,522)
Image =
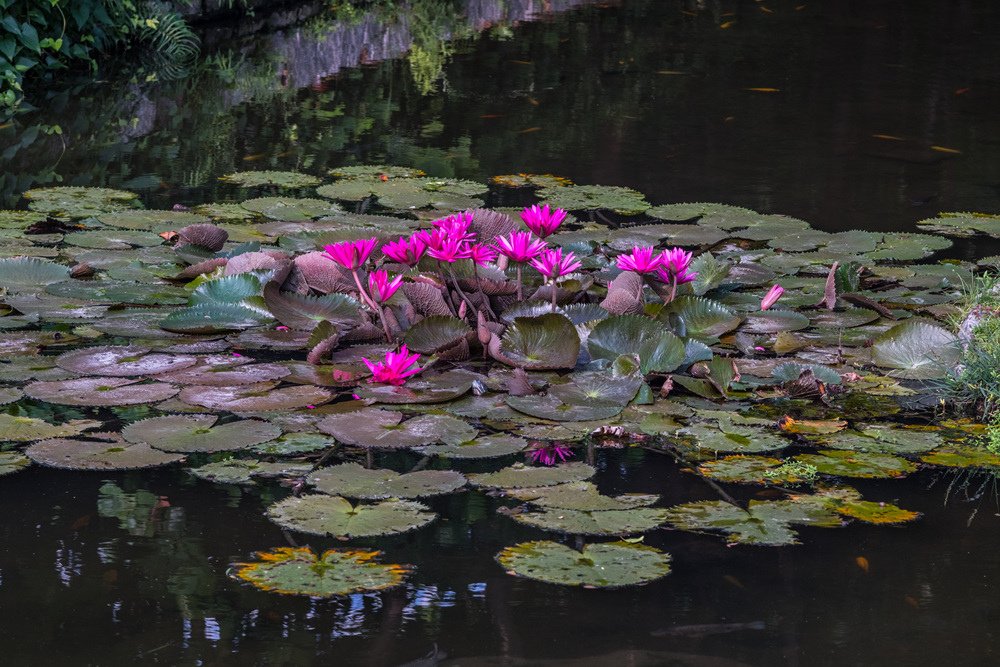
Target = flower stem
(462,294)
(385,325)
(363,293)
(673,289)
(554,290)
(520,289)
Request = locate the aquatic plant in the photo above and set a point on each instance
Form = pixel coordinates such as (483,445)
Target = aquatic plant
(396,368)
(542,220)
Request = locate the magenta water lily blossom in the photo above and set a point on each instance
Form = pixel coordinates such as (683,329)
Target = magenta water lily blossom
(450,249)
(674,269)
(406,251)
(519,247)
(771,297)
(554,265)
(381,287)
(641,260)
(455,226)
(482,254)
(397,367)
(542,220)
(351,254)
(548,454)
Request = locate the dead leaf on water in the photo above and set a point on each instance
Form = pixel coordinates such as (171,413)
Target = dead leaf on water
(912,601)
(733,580)
(533,102)
(862,562)
(669,71)
(521,62)
(529,129)
(963,91)
(888,137)
(765,10)
(763,90)
(726,25)
(945,149)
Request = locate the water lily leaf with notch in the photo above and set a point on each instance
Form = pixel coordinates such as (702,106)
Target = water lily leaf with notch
(257,397)
(883,438)
(625,201)
(436,332)
(519,476)
(121,361)
(118,292)
(605,565)
(751,470)
(581,496)
(320,514)
(213,318)
(29,274)
(488,446)
(588,396)
(299,571)
(291,208)
(845,319)
(917,350)
(962,456)
(26,429)
(69,201)
(763,523)
(243,471)
(867,465)
(304,312)
(98,451)
(608,522)
(11,462)
(742,439)
(197,433)
(774,321)
(98,391)
(281,179)
(658,350)
(546,342)
(424,388)
(220,370)
(151,220)
(381,429)
(355,481)
(698,317)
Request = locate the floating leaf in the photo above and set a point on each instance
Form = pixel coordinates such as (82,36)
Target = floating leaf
(435,333)
(698,317)
(196,433)
(258,397)
(581,496)
(883,438)
(489,446)
(209,318)
(27,274)
(281,179)
(752,470)
(319,514)
(95,391)
(763,523)
(962,456)
(26,429)
(545,342)
(607,522)
(75,202)
(774,321)
(857,464)
(298,571)
(424,388)
(354,481)
(917,350)
(11,462)
(519,476)
(735,439)
(99,451)
(658,350)
(625,201)
(121,361)
(606,565)
(242,471)
(381,429)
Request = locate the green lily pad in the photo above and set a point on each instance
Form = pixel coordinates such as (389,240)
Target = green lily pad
(580,496)
(26,429)
(28,274)
(20,219)
(11,462)
(763,523)
(98,451)
(917,350)
(223,371)
(605,565)
(291,208)
(408,193)
(196,433)
(868,465)
(243,471)
(698,317)
(354,481)
(658,350)
(117,292)
(258,397)
(299,571)
(607,522)
(434,333)
(424,388)
(744,439)
(76,202)
(211,318)
(293,444)
(282,179)
(545,342)
(381,429)
(305,312)
(151,220)
(885,439)
(374,171)
(774,321)
(740,469)
(625,201)
(320,514)
(113,239)
(691,210)
(485,447)
(96,391)
(962,456)
(519,476)
(587,397)
(121,361)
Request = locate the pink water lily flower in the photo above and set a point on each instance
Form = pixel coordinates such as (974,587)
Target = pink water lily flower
(406,251)
(641,260)
(450,250)
(553,264)
(547,454)
(397,367)
(542,220)
(351,254)
(519,246)
(771,297)
(456,226)
(675,261)
(481,254)
(380,287)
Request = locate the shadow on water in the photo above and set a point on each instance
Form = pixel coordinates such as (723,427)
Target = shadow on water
(654,94)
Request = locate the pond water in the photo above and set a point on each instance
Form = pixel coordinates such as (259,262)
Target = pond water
(866,115)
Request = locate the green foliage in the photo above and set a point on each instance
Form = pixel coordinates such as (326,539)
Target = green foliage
(978,384)
(38,37)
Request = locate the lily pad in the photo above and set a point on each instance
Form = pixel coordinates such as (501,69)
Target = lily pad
(26,429)
(545,342)
(28,274)
(121,361)
(868,465)
(98,451)
(257,397)
(752,470)
(774,321)
(917,350)
(763,523)
(605,565)
(488,446)
(962,456)
(97,391)
(197,433)
(580,496)
(435,333)
(698,317)
(885,439)
(282,179)
(354,481)
(299,571)
(658,350)
(69,201)
(11,462)
(320,514)
(519,476)
(291,208)
(742,439)
(381,429)
(625,201)
(607,522)
(151,219)
(424,388)
(243,471)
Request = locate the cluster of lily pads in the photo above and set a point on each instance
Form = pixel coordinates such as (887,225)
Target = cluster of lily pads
(301,338)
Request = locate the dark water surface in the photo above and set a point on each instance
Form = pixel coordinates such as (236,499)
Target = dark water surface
(646,93)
